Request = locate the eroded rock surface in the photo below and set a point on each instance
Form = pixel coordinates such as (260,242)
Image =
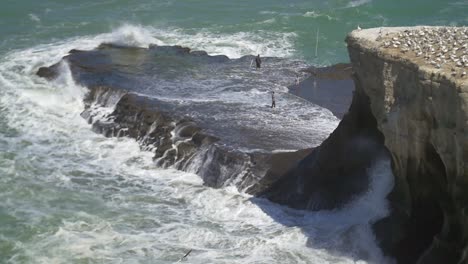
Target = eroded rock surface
(422,111)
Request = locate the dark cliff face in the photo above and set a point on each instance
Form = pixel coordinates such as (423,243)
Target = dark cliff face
(421,111)
(336,171)
(417,116)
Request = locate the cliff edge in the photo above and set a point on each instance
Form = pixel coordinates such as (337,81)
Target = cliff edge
(415,80)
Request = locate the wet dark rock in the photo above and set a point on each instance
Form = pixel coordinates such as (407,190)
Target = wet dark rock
(49,73)
(75,51)
(340,71)
(329,87)
(186,128)
(199,53)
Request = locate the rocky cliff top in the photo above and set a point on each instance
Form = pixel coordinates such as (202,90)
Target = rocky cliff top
(416,81)
(435,50)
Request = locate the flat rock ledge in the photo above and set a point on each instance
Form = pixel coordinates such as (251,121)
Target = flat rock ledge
(176,141)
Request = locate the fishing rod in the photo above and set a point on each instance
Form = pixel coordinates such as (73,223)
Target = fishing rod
(185,256)
(251,62)
(316,42)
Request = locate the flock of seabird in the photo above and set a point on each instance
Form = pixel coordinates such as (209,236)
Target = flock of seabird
(442,47)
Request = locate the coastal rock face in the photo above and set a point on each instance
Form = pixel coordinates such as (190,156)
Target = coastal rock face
(179,142)
(337,171)
(421,109)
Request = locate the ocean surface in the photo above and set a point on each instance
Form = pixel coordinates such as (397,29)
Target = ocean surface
(69,195)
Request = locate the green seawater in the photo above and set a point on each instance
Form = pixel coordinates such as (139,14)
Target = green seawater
(27,23)
(68,195)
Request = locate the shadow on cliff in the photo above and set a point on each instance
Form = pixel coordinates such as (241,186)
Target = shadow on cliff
(333,189)
(347,230)
(335,171)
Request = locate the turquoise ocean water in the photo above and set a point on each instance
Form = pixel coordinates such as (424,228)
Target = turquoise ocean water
(71,196)
(289,27)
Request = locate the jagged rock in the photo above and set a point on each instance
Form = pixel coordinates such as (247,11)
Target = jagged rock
(49,73)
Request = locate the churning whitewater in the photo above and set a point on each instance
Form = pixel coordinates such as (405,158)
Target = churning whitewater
(71,196)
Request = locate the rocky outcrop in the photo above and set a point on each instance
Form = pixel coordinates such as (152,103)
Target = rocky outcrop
(179,142)
(421,109)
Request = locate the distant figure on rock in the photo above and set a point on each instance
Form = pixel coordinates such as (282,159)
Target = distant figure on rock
(273,103)
(258,61)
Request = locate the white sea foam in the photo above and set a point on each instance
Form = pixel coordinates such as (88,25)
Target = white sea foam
(232,45)
(315,14)
(356,3)
(34,17)
(131,35)
(89,198)
(267,21)
(267,12)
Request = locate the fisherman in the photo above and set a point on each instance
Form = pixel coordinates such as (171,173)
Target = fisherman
(258,61)
(273,103)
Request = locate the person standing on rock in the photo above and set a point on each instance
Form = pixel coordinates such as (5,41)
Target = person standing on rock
(258,61)
(273,102)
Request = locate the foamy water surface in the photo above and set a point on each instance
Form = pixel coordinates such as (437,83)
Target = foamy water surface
(72,196)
